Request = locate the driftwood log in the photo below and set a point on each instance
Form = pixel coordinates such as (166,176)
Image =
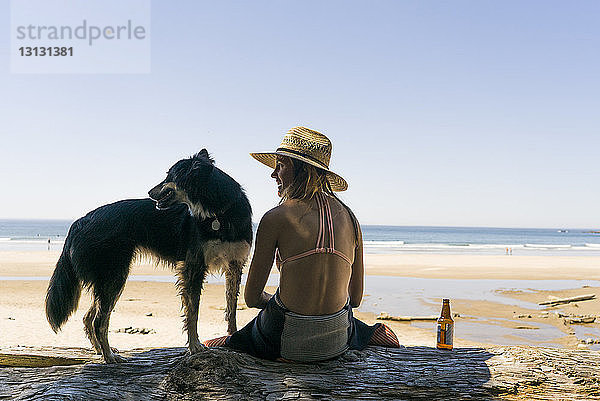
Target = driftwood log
(415,373)
(560,301)
(387,316)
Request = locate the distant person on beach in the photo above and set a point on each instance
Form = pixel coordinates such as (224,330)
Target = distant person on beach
(316,242)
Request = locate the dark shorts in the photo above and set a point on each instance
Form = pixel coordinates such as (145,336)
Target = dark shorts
(261,337)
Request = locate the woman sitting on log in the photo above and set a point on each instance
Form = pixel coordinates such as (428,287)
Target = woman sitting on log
(316,242)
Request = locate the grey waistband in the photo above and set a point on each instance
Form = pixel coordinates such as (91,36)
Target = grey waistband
(313,338)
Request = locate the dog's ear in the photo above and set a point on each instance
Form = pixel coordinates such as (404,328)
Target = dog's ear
(199,176)
(203,154)
(198,164)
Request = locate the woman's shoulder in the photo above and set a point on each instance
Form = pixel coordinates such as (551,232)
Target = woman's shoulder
(282,213)
(275,215)
(287,206)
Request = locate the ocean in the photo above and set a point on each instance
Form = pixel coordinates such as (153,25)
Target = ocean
(50,234)
(481,240)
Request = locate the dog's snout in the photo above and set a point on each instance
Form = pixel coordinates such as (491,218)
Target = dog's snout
(164,194)
(154,192)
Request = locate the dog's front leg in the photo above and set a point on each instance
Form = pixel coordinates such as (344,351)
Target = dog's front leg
(191,304)
(190,283)
(233,277)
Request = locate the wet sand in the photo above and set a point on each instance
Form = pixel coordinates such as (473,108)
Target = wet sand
(542,325)
(157,307)
(495,267)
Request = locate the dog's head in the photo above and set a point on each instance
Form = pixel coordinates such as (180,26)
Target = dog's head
(185,180)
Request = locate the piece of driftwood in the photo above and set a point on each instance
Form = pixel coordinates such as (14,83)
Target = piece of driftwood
(580,319)
(387,316)
(415,373)
(38,361)
(42,357)
(560,301)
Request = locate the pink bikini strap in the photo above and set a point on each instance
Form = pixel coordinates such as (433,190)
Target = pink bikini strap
(346,258)
(315,251)
(330,222)
(301,255)
(321,236)
(325,218)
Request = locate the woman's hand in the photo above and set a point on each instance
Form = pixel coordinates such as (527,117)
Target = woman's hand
(265,297)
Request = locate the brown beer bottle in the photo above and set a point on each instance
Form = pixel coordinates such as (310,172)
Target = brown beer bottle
(445,327)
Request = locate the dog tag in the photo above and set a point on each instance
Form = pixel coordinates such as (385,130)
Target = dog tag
(216,225)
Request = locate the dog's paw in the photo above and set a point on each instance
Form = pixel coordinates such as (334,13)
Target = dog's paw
(98,350)
(196,347)
(114,358)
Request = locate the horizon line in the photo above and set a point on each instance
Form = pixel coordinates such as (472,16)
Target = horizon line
(362,225)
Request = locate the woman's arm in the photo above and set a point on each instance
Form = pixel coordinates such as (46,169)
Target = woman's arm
(262,261)
(355,288)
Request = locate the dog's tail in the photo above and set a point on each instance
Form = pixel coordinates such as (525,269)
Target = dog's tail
(63,292)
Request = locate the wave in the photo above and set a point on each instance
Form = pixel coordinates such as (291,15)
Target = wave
(402,246)
(32,241)
(496,246)
(436,246)
(383,244)
(548,246)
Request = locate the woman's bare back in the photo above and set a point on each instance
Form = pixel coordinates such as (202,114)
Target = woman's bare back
(316,284)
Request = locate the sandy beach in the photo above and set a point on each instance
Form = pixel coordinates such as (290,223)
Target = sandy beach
(507,316)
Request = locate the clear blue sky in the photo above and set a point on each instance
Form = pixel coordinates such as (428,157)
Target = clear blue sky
(465,113)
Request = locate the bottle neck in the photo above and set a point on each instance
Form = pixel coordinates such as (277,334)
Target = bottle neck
(446,309)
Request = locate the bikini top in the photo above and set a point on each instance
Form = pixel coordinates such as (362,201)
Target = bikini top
(325,227)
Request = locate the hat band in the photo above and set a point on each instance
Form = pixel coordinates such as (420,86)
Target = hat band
(303,155)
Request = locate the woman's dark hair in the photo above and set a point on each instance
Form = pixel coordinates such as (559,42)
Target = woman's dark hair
(310,180)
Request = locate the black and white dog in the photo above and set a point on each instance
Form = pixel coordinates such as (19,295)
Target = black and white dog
(198,221)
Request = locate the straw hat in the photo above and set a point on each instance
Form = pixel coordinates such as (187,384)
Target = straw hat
(309,146)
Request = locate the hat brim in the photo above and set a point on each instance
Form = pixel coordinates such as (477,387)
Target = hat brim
(338,184)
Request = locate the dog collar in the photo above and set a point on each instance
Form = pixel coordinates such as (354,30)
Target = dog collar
(215,224)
